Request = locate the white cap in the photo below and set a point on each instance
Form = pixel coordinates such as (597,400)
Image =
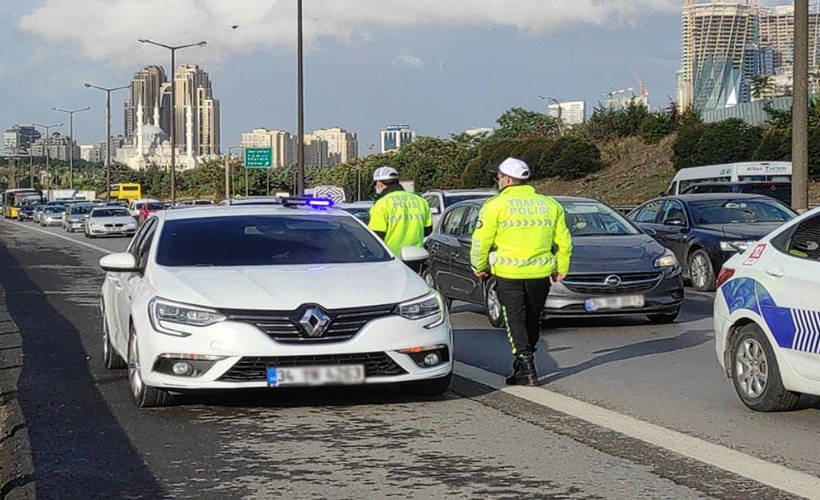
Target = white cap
(385,174)
(514,168)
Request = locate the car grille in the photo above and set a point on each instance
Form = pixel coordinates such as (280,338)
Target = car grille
(255,369)
(283,326)
(113,225)
(595,284)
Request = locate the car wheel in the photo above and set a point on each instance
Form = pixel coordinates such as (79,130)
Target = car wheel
(492,305)
(431,282)
(664,318)
(755,373)
(142,395)
(434,387)
(701,271)
(111,359)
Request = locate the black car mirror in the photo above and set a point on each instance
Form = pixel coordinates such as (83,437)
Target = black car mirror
(466,239)
(674,221)
(651,232)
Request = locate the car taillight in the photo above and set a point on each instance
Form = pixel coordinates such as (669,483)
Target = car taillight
(723,276)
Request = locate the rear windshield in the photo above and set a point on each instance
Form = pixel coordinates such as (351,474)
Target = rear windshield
(264,240)
(453,199)
(153,206)
(110,212)
(739,211)
(590,218)
(54,210)
(81,209)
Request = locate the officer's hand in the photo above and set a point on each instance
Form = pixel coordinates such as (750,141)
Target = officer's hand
(481,274)
(558,277)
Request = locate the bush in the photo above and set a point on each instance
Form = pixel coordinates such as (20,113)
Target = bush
(774,145)
(610,123)
(728,141)
(686,148)
(656,126)
(572,158)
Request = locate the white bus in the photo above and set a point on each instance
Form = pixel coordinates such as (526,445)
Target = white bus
(776,171)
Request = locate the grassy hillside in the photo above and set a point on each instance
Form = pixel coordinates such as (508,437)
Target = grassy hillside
(634,173)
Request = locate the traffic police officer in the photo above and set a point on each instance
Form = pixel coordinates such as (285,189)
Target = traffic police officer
(521,237)
(399,217)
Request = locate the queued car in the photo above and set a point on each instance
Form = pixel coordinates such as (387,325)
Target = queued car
(51,215)
(75,215)
(615,269)
(193,203)
(251,200)
(110,221)
(26,212)
(269,296)
(134,206)
(767,317)
(147,209)
(704,230)
(360,209)
(440,200)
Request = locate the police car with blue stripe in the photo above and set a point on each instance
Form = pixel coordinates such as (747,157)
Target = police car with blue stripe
(767,317)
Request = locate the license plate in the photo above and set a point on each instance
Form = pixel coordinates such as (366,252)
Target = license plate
(315,375)
(620,302)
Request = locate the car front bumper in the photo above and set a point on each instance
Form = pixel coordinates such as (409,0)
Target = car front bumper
(665,297)
(248,351)
(117,231)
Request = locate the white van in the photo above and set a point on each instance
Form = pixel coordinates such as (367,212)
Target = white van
(777,171)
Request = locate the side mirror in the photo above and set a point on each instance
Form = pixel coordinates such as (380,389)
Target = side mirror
(466,239)
(674,221)
(119,263)
(412,254)
(651,232)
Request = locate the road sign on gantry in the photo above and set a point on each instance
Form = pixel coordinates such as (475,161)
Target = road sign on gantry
(258,157)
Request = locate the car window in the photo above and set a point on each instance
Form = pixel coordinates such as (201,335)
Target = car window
(673,210)
(153,206)
(805,241)
(137,239)
(649,212)
(469,221)
(723,211)
(266,240)
(452,221)
(110,212)
(433,201)
(145,244)
(81,209)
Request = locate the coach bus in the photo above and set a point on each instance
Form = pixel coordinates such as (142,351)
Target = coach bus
(13,199)
(772,171)
(127,191)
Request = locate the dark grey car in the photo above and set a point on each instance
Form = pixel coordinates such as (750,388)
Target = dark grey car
(616,269)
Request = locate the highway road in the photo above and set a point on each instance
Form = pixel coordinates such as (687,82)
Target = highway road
(628,410)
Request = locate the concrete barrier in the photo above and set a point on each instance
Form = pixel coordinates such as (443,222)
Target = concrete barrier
(16,465)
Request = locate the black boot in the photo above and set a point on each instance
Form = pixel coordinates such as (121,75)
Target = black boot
(523,371)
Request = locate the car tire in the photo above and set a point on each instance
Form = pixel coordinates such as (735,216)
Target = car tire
(427,274)
(111,360)
(664,318)
(142,395)
(752,356)
(427,388)
(701,272)
(492,306)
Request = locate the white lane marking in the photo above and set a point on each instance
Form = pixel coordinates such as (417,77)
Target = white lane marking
(768,473)
(72,240)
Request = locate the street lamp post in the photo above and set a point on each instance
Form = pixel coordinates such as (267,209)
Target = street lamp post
(107,132)
(48,152)
(71,142)
(558,104)
(173,49)
(228,171)
(300,152)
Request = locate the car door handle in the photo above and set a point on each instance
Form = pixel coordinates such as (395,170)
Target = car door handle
(775,272)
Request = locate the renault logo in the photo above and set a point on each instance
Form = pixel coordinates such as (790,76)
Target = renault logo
(314,322)
(613,281)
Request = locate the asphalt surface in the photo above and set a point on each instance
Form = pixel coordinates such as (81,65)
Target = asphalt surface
(89,441)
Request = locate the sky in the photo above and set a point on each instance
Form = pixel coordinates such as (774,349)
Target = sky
(440,66)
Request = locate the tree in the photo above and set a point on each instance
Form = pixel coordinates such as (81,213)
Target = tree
(612,123)
(656,126)
(686,150)
(572,158)
(761,85)
(517,123)
(728,141)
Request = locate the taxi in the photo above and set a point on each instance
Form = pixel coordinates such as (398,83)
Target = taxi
(767,317)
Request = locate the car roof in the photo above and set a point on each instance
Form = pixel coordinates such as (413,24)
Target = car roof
(461,191)
(716,196)
(559,199)
(232,210)
(355,204)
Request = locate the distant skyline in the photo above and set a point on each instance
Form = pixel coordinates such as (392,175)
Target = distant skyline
(441,67)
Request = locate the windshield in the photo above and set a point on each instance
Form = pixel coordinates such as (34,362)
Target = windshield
(739,211)
(453,199)
(263,240)
(110,212)
(53,210)
(81,209)
(153,206)
(589,218)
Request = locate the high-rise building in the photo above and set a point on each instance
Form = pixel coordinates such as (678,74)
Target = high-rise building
(777,35)
(316,151)
(342,146)
(716,37)
(147,88)
(19,137)
(58,147)
(570,112)
(281,141)
(197,112)
(395,136)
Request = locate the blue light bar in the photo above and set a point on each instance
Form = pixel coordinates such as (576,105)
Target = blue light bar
(317,203)
(320,202)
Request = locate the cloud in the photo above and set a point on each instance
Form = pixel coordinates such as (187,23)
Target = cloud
(110,29)
(406,59)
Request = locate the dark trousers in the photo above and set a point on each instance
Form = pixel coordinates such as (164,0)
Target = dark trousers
(522,301)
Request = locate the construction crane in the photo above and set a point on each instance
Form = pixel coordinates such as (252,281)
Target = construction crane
(643,87)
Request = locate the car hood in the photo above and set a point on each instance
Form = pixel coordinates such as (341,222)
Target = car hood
(125,219)
(753,231)
(288,287)
(76,217)
(604,254)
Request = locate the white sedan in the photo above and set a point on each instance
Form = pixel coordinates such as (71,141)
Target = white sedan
(269,296)
(767,317)
(110,221)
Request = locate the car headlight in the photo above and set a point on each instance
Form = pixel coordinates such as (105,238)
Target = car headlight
(667,259)
(131,224)
(164,314)
(95,224)
(427,306)
(736,246)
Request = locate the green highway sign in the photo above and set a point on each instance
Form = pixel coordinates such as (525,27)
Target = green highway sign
(258,157)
